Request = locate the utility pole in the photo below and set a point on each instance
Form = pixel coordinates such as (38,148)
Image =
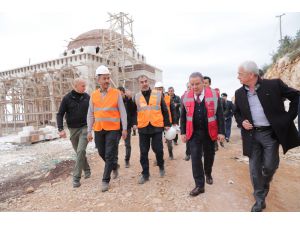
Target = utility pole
(279,16)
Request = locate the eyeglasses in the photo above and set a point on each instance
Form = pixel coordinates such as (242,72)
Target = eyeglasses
(242,74)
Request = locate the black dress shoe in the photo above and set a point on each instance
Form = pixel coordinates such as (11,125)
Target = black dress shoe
(209,180)
(258,207)
(196,191)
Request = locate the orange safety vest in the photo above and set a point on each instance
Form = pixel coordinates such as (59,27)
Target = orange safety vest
(149,113)
(168,103)
(106,111)
(211,104)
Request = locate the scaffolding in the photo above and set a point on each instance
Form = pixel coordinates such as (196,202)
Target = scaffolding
(33,99)
(120,46)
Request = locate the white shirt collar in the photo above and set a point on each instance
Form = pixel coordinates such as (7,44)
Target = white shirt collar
(201,95)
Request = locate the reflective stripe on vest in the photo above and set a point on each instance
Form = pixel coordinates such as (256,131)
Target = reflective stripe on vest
(106,111)
(168,103)
(151,112)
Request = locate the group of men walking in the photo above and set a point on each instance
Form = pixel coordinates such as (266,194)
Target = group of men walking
(205,118)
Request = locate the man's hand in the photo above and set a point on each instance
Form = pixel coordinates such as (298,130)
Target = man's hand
(167,128)
(221,137)
(62,134)
(247,125)
(134,127)
(124,134)
(90,137)
(183,138)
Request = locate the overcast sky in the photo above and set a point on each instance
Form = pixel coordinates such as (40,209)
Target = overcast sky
(178,41)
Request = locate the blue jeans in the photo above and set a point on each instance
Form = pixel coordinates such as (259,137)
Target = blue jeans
(228,123)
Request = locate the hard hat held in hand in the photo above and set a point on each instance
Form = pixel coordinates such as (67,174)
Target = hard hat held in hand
(170,134)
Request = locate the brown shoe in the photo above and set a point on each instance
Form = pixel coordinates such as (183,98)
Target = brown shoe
(196,191)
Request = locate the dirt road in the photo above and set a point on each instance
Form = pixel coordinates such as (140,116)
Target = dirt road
(231,190)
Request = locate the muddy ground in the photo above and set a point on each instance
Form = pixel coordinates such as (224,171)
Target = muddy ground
(34,187)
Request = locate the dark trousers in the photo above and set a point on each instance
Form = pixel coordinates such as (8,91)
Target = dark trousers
(170,147)
(187,148)
(157,146)
(128,145)
(198,145)
(228,123)
(107,145)
(263,162)
(299,117)
(176,138)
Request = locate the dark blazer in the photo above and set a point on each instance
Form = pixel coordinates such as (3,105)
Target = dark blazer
(130,110)
(271,94)
(227,109)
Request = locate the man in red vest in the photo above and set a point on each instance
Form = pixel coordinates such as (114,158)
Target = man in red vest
(202,123)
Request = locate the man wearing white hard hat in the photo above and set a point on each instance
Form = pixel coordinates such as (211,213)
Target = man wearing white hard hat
(152,117)
(105,114)
(172,116)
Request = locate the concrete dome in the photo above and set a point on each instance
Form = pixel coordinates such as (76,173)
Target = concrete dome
(94,38)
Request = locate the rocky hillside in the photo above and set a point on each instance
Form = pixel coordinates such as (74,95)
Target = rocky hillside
(286,69)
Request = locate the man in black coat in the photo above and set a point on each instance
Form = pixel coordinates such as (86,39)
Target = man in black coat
(260,112)
(131,116)
(150,133)
(75,106)
(201,122)
(228,114)
(177,103)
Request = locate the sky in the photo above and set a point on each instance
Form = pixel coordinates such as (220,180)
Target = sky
(179,39)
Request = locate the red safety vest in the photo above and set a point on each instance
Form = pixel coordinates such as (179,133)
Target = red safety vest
(211,104)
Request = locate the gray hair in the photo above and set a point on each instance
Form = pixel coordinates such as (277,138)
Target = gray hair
(142,76)
(250,66)
(78,80)
(196,74)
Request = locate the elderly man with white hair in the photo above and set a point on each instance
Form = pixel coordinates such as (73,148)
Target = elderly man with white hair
(265,124)
(75,105)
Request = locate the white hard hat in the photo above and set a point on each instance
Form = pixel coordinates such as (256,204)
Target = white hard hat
(102,70)
(170,134)
(158,84)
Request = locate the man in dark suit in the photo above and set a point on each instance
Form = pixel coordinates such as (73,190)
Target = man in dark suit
(228,114)
(201,123)
(260,112)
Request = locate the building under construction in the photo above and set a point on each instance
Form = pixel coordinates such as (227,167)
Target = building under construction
(31,95)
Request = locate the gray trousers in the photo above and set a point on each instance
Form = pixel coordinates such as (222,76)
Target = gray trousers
(78,137)
(263,162)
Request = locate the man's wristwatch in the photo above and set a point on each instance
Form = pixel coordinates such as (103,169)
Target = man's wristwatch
(60,129)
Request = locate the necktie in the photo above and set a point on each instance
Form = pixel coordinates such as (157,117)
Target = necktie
(198,99)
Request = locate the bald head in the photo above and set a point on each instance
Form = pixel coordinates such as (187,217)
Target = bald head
(79,85)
